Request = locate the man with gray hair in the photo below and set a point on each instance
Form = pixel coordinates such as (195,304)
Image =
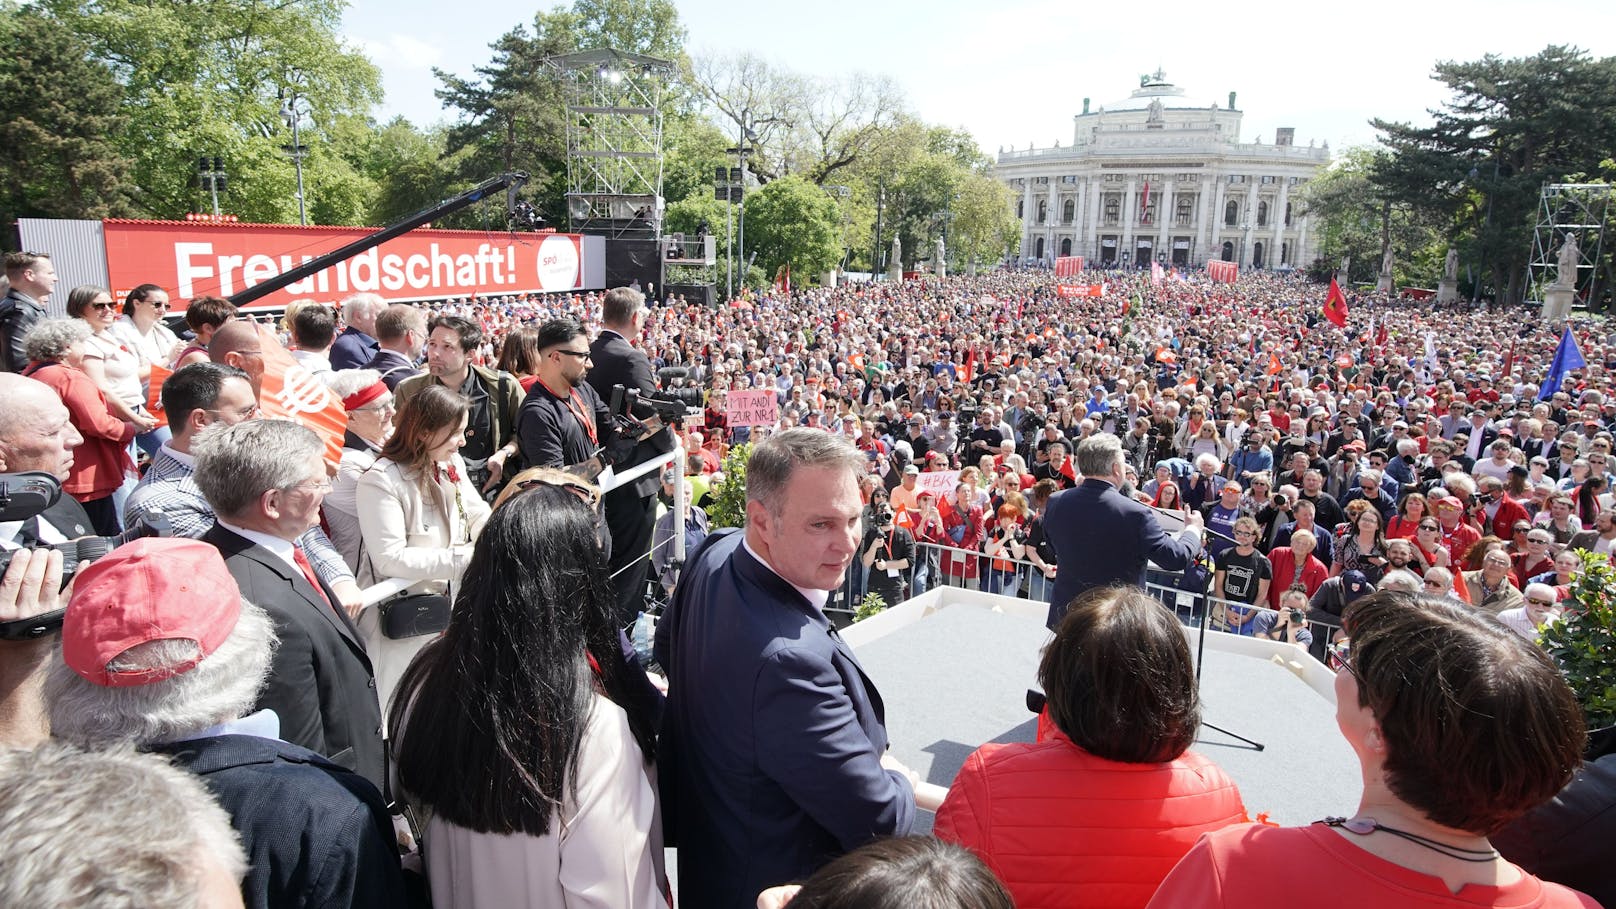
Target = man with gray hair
(159,650)
(266,480)
(774,740)
(113,828)
(1102,537)
(356,345)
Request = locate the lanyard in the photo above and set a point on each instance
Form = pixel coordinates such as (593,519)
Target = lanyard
(584,417)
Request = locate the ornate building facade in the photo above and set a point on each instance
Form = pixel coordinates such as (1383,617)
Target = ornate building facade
(1158,177)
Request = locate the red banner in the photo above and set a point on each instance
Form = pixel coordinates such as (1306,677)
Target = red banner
(1068,266)
(192,260)
(1225,272)
(1080,290)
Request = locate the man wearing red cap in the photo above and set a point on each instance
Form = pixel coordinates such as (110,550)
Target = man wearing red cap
(159,649)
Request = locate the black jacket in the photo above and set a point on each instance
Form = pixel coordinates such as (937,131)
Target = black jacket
(18,314)
(316,835)
(321,683)
(549,433)
(617,362)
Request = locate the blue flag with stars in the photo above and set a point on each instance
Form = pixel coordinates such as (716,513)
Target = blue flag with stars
(1566,358)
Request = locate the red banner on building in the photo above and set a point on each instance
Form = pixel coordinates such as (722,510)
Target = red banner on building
(193,260)
(1080,290)
(1068,266)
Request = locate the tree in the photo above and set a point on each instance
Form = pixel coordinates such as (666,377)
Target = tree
(1511,125)
(1357,213)
(793,222)
(59,112)
(983,227)
(205,79)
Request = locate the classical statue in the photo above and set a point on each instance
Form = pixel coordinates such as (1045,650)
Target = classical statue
(1153,114)
(896,257)
(1570,258)
(1450,265)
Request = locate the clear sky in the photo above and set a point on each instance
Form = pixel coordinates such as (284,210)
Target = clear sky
(1014,72)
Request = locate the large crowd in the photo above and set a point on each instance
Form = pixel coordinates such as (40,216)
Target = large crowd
(1344,475)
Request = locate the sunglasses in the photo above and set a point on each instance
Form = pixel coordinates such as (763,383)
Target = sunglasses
(584,491)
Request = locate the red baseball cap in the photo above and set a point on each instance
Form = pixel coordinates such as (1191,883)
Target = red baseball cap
(153,589)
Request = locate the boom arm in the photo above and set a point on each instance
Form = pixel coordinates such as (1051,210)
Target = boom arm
(510,182)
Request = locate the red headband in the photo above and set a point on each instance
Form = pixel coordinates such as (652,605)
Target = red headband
(365,395)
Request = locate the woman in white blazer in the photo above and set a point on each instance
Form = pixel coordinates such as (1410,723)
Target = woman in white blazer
(418,517)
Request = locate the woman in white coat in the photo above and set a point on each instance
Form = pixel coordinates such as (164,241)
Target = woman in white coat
(418,517)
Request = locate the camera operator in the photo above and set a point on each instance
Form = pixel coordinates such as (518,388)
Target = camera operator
(887,553)
(1252,458)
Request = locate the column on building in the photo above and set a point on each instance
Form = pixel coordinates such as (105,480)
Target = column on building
(1029,217)
(1278,214)
(1250,220)
(1130,202)
(1204,230)
(1299,256)
(1166,212)
(1079,203)
(1051,244)
(1096,190)
(1215,248)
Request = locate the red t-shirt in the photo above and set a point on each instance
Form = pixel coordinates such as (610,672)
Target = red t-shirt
(1313,866)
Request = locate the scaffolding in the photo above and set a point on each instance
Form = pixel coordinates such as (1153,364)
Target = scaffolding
(614,142)
(1580,210)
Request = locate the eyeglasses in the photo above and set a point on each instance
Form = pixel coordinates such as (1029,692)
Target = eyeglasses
(1538,540)
(1434,585)
(580,354)
(246,413)
(1539,602)
(389,407)
(1343,659)
(103,306)
(162,305)
(1429,527)
(588,493)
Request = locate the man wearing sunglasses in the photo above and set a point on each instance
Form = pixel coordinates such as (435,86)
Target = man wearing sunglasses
(563,421)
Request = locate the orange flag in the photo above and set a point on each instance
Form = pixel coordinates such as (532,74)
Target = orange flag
(290,392)
(1274,367)
(154,394)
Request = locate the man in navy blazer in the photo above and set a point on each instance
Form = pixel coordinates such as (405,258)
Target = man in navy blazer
(773,751)
(1101,536)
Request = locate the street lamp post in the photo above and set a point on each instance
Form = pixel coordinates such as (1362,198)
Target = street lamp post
(875,254)
(213,179)
(293,115)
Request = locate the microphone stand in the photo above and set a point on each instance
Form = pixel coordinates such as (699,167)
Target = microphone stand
(1200,638)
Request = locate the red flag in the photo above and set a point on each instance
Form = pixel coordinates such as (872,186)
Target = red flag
(154,395)
(290,392)
(782,279)
(1144,204)
(1509,359)
(965,370)
(1335,306)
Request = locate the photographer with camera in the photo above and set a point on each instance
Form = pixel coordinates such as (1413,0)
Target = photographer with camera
(1289,624)
(887,553)
(1252,458)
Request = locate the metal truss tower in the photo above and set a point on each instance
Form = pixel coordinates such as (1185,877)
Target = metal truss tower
(614,142)
(1580,210)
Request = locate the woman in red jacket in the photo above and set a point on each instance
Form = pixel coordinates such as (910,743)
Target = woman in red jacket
(1096,814)
(55,349)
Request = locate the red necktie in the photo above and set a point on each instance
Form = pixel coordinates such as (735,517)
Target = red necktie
(308,573)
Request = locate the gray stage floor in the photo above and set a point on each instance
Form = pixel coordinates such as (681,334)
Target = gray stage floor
(959,677)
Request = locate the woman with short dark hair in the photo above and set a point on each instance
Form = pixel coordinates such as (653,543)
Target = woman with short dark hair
(901,872)
(1113,788)
(1460,726)
(519,728)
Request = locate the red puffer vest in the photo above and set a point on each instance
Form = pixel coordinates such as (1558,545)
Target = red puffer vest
(1061,827)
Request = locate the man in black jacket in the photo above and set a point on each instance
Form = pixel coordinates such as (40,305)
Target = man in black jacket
(160,649)
(32,278)
(631,508)
(265,480)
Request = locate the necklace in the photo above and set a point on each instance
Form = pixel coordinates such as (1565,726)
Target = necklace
(1363,826)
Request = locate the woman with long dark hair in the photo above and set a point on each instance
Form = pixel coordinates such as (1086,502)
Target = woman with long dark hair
(526,748)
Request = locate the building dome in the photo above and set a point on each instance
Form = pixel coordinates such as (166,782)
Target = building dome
(1154,87)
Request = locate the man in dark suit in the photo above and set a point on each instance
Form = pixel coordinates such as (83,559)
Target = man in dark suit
(1102,537)
(631,508)
(772,757)
(400,336)
(357,345)
(265,480)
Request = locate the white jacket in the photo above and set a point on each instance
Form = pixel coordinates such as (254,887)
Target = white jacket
(410,534)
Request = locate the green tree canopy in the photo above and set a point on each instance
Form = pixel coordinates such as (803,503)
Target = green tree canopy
(793,222)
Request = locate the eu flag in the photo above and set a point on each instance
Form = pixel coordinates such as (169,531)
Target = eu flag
(1566,358)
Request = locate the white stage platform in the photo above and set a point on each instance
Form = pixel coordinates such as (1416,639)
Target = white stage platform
(953,667)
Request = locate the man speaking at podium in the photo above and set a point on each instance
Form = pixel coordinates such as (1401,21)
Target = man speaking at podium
(1102,537)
